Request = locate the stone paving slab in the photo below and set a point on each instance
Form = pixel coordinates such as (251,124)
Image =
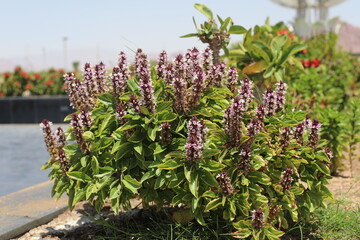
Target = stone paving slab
(28,208)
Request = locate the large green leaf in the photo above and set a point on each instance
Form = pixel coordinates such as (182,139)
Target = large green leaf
(204,10)
(131,184)
(79,176)
(237,29)
(213,204)
(170,164)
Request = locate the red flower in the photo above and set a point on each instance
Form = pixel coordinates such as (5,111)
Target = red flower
(17,83)
(61,71)
(291,36)
(29,86)
(37,76)
(304,51)
(18,69)
(306,63)
(24,74)
(2,94)
(7,75)
(49,82)
(315,63)
(284,31)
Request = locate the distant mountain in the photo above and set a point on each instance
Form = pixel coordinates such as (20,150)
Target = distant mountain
(349,38)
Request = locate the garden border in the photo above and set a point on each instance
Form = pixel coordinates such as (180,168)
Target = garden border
(27,209)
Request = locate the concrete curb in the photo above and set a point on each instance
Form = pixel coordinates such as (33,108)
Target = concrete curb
(28,208)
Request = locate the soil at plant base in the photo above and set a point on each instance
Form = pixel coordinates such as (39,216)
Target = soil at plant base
(78,224)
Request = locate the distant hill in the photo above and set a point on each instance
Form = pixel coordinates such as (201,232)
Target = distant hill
(349,38)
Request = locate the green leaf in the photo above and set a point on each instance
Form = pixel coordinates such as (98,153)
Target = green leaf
(126,126)
(204,10)
(167,117)
(194,183)
(131,184)
(213,204)
(208,178)
(278,42)
(291,50)
(138,148)
(237,29)
(137,136)
(212,165)
(189,35)
(151,132)
(107,99)
(225,24)
(71,149)
(88,136)
(210,152)
(95,165)
(105,124)
(170,164)
(322,167)
(132,85)
(271,233)
(79,176)
(123,150)
(259,177)
(160,181)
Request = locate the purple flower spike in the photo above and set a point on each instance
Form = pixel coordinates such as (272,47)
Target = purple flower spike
(270,102)
(134,103)
(180,94)
(217,74)
(314,133)
(233,120)
(75,90)
(328,153)
(120,112)
(244,164)
(162,64)
(285,137)
(225,184)
(60,138)
(118,84)
(50,141)
(260,112)
(99,75)
(166,136)
(88,76)
(232,79)
(286,179)
(246,91)
(85,118)
(197,88)
(207,56)
(280,93)
(62,159)
(123,69)
(299,132)
(258,219)
(179,66)
(194,146)
(78,131)
(254,127)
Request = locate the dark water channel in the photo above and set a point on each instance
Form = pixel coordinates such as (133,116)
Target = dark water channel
(22,153)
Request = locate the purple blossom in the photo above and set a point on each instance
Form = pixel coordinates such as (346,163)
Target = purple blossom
(246,91)
(62,159)
(84,117)
(78,133)
(254,127)
(76,91)
(244,163)
(99,75)
(233,121)
(166,136)
(120,112)
(141,65)
(194,146)
(314,133)
(123,70)
(179,66)
(225,184)
(285,137)
(118,83)
(162,64)
(134,103)
(207,60)
(286,179)
(89,82)
(49,138)
(257,219)
(197,88)
(270,102)
(280,93)
(169,73)
(180,94)
(232,79)
(328,153)
(60,138)
(299,131)
(260,112)
(273,211)
(216,75)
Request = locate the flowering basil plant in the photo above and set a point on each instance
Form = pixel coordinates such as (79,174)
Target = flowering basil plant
(188,133)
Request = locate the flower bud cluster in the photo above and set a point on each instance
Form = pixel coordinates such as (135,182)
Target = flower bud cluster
(162,65)
(134,103)
(232,79)
(244,163)
(84,116)
(286,179)
(280,93)
(254,127)
(285,137)
(274,101)
(119,76)
(257,219)
(119,113)
(328,153)
(180,93)
(76,91)
(225,184)
(246,91)
(49,138)
(194,146)
(273,211)
(233,120)
(197,88)
(60,138)
(166,136)
(78,130)
(99,75)
(314,131)
(207,60)
(313,128)
(217,74)
(62,159)
(145,84)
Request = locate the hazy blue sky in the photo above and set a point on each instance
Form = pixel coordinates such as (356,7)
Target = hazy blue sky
(32,31)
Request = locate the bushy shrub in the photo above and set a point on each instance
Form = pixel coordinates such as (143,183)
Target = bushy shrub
(188,133)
